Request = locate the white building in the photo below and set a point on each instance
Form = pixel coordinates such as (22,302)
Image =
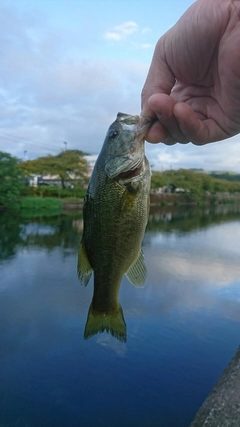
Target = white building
(91,159)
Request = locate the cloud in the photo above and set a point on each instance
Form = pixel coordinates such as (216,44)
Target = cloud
(147,46)
(223,155)
(120,32)
(58,85)
(146,30)
(49,94)
(74,102)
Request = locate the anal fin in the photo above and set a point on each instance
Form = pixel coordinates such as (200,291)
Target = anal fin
(137,272)
(84,268)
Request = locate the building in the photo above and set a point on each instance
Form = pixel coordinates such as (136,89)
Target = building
(91,159)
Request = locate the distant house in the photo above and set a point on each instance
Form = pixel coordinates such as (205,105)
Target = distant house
(179,190)
(91,159)
(51,180)
(170,188)
(159,190)
(34,180)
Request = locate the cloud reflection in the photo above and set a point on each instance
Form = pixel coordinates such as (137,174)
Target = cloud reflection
(195,272)
(41,299)
(108,342)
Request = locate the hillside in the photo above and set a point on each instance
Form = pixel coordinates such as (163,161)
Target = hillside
(228,176)
(195,182)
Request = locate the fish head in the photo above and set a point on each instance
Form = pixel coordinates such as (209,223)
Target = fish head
(123,149)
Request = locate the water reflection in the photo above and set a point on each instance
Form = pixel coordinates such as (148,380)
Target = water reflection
(190,218)
(64,231)
(10,231)
(189,261)
(48,232)
(183,327)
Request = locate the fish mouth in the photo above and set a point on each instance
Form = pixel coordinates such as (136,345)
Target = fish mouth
(130,173)
(129,119)
(138,124)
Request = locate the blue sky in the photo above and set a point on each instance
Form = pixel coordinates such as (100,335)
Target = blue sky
(69,66)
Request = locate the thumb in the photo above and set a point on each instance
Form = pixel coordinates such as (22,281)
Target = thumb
(160,79)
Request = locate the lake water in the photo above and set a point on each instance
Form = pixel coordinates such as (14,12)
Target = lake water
(182,328)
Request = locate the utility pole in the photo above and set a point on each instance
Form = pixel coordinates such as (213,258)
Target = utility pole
(65,145)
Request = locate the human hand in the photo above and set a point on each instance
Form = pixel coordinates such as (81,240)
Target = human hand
(193,84)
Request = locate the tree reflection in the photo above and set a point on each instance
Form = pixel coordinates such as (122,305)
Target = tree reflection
(64,230)
(185,219)
(48,233)
(10,234)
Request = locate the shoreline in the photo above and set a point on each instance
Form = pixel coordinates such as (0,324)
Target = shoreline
(168,199)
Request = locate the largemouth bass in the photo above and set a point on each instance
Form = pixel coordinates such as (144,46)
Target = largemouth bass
(115,215)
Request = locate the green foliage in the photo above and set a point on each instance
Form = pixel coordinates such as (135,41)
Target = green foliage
(197,183)
(32,206)
(228,176)
(158,180)
(68,165)
(185,219)
(11,180)
(61,193)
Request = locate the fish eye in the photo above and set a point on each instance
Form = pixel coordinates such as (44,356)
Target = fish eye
(113,134)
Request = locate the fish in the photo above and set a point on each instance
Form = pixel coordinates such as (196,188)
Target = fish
(115,215)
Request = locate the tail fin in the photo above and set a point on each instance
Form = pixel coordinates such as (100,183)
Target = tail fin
(110,322)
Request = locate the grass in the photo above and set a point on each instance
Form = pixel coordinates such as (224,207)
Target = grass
(38,206)
(54,192)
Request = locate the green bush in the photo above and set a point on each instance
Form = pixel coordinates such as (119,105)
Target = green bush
(198,183)
(11,180)
(41,205)
(45,191)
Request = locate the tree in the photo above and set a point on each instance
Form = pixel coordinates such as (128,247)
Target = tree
(68,165)
(11,180)
(198,183)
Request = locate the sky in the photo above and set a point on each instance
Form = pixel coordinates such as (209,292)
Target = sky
(69,66)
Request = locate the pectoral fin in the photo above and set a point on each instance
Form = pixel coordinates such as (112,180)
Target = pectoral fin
(137,273)
(112,322)
(84,268)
